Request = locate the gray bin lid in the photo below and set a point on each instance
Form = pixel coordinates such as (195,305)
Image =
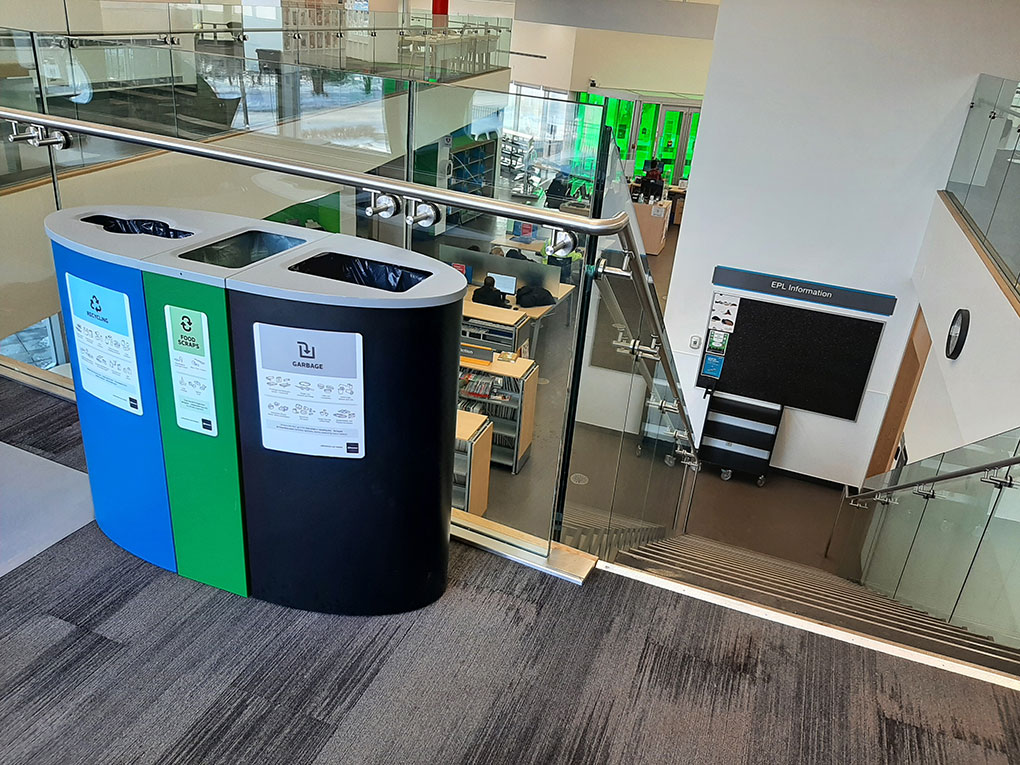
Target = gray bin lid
(161,254)
(436,283)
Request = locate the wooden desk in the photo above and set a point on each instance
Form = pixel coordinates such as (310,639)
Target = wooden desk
(653,221)
(538,245)
(509,332)
(474,447)
(536,313)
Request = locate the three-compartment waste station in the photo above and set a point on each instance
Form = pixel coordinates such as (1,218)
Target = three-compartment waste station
(249,393)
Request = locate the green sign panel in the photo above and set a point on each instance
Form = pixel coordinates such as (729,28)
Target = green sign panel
(187,333)
(717,341)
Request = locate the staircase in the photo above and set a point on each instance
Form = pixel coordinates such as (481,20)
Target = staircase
(599,533)
(813,594)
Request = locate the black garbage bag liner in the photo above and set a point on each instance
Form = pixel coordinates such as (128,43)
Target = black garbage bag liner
(137,226)
(370,273)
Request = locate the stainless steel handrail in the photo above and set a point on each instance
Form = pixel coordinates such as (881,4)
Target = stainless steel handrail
(961,473)
(225,30)
(539,215)
(619,224)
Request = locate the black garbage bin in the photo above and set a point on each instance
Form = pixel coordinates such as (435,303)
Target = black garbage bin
(345,362)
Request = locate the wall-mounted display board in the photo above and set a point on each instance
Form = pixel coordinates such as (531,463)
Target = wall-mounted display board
(800,358)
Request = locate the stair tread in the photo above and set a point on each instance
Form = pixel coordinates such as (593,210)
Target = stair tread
(812,576)
(864,609)
(889,610)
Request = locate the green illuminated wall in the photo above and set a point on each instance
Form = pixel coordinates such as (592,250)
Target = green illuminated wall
(695,119)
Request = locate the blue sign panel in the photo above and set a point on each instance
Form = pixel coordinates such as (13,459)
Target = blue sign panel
(798,289)
(712,366)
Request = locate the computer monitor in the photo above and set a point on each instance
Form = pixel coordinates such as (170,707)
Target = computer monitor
(505,283)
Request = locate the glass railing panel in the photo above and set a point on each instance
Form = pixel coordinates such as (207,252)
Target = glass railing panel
(893,527)
(647,442)
(994,448)
(30,334)
(610,394)
(915,471)
(993,161)
(359,49)
(986,450)
(514,147)
(947,538)
(113,17)
(19,89)
(518,335)
(126,82)
(211,19)
(990,601)
(470,141)
(968,154)
(1004,227)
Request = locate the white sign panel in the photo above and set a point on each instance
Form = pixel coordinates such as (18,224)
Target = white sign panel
(724,312)
(104,343)
(187,333)
(311,391)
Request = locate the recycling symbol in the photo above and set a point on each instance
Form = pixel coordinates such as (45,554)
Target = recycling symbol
(94,304)
(186,323)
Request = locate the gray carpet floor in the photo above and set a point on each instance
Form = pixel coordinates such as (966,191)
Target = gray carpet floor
(106,659)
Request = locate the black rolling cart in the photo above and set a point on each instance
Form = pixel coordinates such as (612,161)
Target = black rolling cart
(739,435)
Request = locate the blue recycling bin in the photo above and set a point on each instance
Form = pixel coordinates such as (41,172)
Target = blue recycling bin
(96,251)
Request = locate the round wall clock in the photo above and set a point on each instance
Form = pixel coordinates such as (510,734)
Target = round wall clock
(957,333)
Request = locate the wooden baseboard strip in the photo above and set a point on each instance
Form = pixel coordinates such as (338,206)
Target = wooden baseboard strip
(40,379)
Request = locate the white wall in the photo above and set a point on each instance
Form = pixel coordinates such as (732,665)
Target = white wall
(555,45)
(572,56)
(640,61)
(826,130)
(974,396)
(660,17)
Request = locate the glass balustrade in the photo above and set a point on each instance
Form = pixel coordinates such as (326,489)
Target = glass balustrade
(628,483)
(410,46)
(939,535)
(983,181)
(527,365)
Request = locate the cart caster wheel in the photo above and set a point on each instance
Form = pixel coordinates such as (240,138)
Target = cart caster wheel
(697,468)
(637,451)
(760,481)
(726,474)
(670,460)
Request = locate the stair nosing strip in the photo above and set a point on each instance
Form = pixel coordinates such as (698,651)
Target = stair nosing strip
(1009,659)
(939,628)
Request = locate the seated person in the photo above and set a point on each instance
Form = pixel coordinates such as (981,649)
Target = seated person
(496,250)
(558,192)
(514,254)
(487,294)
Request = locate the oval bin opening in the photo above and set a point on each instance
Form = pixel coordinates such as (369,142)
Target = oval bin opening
(137,226)
(242,249)
(368,273)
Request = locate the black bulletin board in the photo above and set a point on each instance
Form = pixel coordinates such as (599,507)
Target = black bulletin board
(797,357)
